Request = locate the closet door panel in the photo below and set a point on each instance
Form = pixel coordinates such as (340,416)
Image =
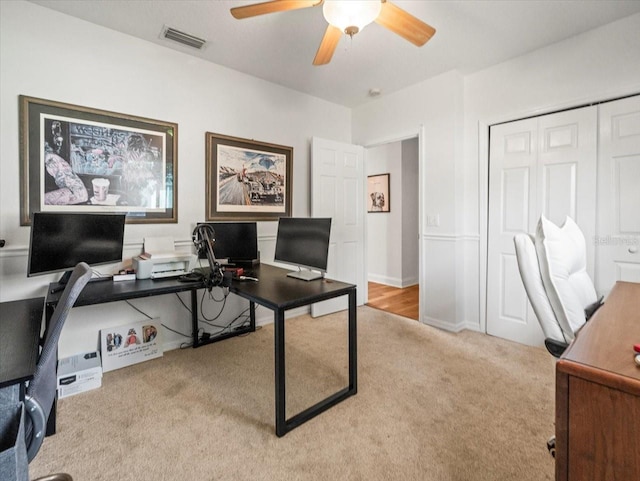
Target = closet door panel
(568,160)
(618,238)
(512,208)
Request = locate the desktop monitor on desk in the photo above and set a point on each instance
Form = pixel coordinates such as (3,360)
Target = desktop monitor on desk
(235,243)
(59,241)
(304,242)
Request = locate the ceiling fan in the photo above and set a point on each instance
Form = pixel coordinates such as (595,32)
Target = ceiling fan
(348,16)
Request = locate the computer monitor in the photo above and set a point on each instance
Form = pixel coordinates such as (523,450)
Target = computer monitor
(304,242)
(234,243)
(59,241)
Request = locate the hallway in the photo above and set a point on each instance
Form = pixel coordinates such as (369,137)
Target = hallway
(403,302)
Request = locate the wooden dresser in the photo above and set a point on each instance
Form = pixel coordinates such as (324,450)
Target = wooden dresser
(598,395)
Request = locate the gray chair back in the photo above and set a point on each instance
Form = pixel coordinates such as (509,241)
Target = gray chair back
(41,391)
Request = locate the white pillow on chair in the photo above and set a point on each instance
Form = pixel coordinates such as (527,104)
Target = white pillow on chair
(563,265)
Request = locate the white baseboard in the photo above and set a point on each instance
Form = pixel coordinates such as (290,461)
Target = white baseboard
(445,326)
(392,281)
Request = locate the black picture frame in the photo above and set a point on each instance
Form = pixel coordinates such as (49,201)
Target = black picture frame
(64,148)
(378,193)
(247,179)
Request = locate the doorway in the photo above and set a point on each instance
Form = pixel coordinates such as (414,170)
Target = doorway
(392,236)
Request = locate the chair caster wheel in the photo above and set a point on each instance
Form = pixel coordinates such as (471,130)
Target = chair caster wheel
(551,446)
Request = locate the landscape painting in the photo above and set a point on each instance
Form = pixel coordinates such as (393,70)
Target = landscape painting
(247,179)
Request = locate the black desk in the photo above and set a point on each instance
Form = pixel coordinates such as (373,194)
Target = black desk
(100,292)
(280,293)
(274,290)
(20,324)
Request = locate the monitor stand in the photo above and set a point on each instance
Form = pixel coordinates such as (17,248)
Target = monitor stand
(306,275)
(65,278)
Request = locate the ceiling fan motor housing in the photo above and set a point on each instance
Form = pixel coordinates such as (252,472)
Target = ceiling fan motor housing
(352,16)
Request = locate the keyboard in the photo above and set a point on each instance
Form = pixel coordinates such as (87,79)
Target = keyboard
(168,274)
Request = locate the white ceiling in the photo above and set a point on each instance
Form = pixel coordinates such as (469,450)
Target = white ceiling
(280,47)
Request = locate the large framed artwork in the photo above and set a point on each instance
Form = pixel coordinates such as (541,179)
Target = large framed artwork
(378,191)
(81,159)
(247,180)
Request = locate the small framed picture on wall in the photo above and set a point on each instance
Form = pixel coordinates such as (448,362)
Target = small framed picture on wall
(378,190)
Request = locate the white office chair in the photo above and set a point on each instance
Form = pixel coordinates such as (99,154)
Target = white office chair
(553,268)
(556,338)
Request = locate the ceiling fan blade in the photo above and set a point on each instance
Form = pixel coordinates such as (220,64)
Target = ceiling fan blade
(404,24)
(328,45)
(273,6)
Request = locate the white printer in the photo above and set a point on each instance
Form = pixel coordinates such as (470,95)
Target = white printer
(161,260)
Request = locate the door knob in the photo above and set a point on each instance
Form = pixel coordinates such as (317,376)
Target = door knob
(633,250)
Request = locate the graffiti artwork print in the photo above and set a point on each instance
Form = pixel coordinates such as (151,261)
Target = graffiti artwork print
(247,180)
(79,159)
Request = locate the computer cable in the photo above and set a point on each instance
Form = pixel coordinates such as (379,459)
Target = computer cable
(150,317)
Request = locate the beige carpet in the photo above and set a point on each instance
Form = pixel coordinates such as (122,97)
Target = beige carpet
(431,405)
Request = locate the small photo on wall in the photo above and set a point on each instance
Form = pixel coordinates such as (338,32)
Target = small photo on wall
(378,193)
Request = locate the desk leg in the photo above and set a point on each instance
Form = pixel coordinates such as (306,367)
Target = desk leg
(252,316)
(353,344)
(283,425)
(51,421)
(194,317)
(281,428)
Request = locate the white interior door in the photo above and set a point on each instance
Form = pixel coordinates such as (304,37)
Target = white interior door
(540,165)
(618,240)
(337,182)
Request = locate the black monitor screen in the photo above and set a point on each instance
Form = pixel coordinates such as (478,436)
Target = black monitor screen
(60,241)
(235,241)
(303,242)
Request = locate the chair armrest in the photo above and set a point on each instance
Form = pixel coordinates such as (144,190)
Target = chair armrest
(36,430)
(591,309)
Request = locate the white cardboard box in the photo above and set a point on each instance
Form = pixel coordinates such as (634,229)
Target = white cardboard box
(79,368)
(79,387)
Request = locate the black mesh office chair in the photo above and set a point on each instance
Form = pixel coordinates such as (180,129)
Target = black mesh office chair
(24,434)
(41,391)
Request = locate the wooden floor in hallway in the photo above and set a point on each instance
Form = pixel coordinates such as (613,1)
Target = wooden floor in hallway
(403,302)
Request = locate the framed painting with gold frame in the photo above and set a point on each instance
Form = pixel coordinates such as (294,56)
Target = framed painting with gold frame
(246,179)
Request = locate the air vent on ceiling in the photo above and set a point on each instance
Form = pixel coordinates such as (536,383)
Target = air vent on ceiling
(183,38)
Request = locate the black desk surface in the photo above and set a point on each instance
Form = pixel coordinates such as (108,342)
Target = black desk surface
(100,291)
(276,290)
(20,323)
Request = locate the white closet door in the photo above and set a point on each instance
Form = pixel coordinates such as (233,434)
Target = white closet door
(513,208)
(544,164)
(618,239)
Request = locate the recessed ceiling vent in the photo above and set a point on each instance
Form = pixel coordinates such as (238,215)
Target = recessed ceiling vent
(183,38)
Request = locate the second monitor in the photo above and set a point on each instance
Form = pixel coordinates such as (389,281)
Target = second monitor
(236,243)
(304,242)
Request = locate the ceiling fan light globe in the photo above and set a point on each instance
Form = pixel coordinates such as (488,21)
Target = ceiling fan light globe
(352,15)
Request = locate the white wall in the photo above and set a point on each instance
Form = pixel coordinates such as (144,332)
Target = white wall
(53,56)
(410,212)
(434,106)
(455,112)
(384,230)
